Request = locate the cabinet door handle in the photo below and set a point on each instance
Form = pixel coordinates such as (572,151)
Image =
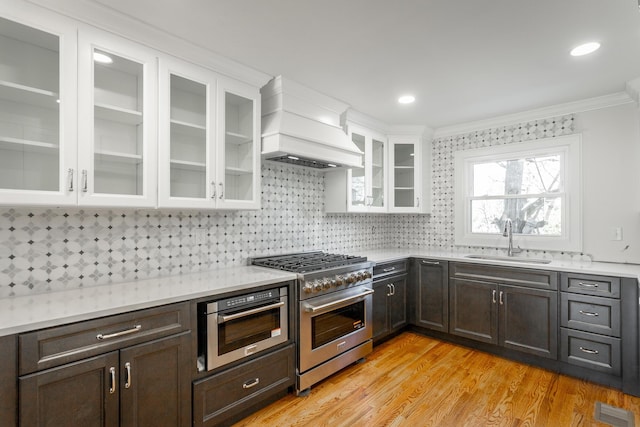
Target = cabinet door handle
(386,270)
(501,298)
(493,296)
(101,337)
(589,313)
(128,379)
(388,290)
(431,262)
(70,179)
(588,285)
(112,384)
(221,190)
(417,202)
(213,189)
(393,289)
(251,383)
(588,350)
(85,180)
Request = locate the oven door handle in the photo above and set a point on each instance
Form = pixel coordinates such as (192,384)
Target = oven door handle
(222,318)
(316,308)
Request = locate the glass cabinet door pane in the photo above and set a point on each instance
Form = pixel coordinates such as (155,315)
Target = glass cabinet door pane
(188,143)
(239,148)
(118,125)
(403,170)
(29,108)
(377,173)
(358,181)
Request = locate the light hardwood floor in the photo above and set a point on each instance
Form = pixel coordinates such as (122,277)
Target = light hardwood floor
(414,380)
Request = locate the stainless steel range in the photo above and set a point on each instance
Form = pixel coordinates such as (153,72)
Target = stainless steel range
(334,294)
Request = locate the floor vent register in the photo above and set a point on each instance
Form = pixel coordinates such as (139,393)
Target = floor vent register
(611,415)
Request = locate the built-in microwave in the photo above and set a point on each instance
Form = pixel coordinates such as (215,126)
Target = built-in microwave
(234,328)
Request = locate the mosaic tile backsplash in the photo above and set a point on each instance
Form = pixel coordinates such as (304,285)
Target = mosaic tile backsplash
(54,249)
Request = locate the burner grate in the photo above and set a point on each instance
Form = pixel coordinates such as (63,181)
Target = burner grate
(307,261)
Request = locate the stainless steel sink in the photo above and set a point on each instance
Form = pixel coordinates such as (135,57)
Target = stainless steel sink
(510,259)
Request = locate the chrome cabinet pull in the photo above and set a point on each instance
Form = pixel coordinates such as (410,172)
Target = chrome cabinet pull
(424,261)
(392,287)
(493,296)
(213,189)
(84,181)
(101,337)
(221,190)
(128,379)
(589,313)
(386,270)
(112,385)
(501,298)
(223,318)
(588,285)
(70,179)
(251,383)
(389,290)
(589,351)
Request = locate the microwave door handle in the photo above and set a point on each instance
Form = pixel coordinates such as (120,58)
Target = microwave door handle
(341,302)
(222,318)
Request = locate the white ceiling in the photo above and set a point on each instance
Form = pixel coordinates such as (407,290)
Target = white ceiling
(464,60)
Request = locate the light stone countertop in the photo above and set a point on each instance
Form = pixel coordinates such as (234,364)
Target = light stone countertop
(27,313)
(601,268)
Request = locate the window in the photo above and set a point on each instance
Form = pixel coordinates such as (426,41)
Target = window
(534,184)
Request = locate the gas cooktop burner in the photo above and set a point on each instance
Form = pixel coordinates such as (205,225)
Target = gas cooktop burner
(307,261)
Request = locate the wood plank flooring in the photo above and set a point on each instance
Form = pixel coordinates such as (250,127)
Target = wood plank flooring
(414,380)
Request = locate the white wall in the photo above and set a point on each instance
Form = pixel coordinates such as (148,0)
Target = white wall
(611,181)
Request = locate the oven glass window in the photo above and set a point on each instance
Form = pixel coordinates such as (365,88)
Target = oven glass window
(337,323)
(248,330)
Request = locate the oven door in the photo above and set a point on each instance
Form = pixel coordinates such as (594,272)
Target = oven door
(235,334)
(334,323)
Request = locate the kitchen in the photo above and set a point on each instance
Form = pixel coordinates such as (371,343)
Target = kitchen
(49,248)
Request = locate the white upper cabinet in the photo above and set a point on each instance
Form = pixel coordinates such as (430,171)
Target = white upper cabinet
(209,143)
(117,133)
(405,174)
(367,190)
(37,110)
(238,149)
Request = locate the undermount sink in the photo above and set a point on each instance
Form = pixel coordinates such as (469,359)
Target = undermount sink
(509,258)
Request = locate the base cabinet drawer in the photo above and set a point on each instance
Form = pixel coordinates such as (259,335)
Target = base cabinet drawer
(590,314)
(596,352)
(229,393)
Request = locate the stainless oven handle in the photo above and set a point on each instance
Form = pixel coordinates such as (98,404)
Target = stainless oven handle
(223,318)
(314,309)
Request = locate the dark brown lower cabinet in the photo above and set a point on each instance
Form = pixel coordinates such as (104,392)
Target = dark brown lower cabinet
(514,317)
(144,385)
(389,306)
(429,308)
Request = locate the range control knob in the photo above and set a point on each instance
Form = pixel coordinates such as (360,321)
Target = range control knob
(339,280)
(307,288)
(317,285)
(326,284)
(351,278)
(367,274)
(359,276)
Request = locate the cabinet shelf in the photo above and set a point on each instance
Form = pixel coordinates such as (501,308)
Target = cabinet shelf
(237,138)
(404,188)
(237,171)
(376,165)
(17,144)
(118,114)
(115,156)
(190,129)
(404,167)
(28,95)
(187,165)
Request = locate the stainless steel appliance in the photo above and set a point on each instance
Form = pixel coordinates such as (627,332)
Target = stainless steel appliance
(237,327)
(334,308)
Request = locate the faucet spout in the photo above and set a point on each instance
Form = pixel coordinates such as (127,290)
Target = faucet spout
(508,232)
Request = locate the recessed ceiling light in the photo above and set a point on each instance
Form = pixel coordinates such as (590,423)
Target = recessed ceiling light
(406,99)
(102,58)
(585,49)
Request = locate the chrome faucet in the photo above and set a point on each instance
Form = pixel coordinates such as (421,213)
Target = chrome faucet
(508,232)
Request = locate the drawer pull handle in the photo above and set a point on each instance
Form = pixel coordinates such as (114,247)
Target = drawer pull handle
(112,386)
(493,296)
(101,337)
(128,379)
(589,313)
(386,270)
(588,285)
(589,351)
(252,383)
(431,262)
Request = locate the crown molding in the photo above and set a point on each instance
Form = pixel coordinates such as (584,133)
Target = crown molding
(356,117)
(611,100)
(106,18)
(633,89)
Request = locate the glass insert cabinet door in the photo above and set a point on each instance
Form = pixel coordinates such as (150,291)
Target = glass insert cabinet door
(37,113)
(405,173)
(117,121)
(367,185)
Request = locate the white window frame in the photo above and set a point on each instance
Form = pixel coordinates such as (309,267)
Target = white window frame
(569,147)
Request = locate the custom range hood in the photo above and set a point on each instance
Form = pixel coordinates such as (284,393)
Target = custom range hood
(302,127)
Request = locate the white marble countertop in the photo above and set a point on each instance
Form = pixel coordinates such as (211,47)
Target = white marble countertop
(27,313)
(602,268)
